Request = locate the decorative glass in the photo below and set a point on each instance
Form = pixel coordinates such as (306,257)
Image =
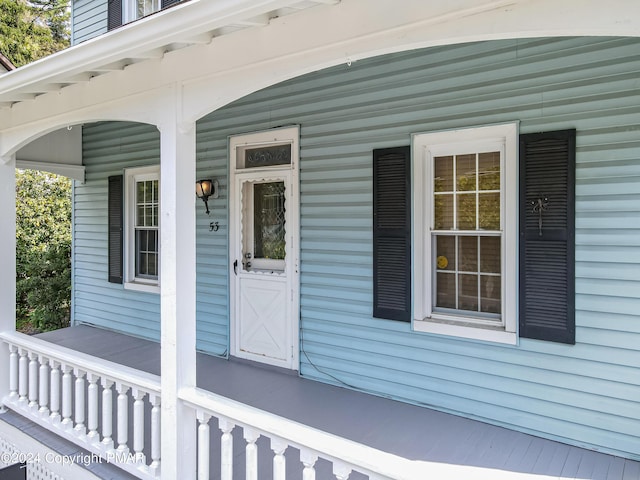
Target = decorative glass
(269,220)
(267,156)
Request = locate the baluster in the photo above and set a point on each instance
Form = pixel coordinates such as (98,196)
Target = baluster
(33,380)
(279,461)
(308,459)
(80,402)
(23,376)
(55,391)
(251,454)
(13,373)
(43,393)
(66,396)
(203,445)
(123,417)
(92,406)
(341,470)
(138,425)
(226,449)
(155,434)
(107,414)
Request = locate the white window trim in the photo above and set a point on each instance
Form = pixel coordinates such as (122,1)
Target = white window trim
(131,282)
(424,147)
(129,10)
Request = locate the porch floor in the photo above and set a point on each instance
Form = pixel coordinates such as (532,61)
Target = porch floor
(413,432)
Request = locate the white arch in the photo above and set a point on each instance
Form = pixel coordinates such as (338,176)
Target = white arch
(189,83)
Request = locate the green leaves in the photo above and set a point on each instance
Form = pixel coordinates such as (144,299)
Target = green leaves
(30,30)
(43,249)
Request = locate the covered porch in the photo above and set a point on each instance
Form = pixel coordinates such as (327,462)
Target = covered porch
(266,422)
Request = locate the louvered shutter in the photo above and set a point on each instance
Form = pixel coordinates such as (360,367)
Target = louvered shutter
(547,237)
(392,234)
(115,221)
(167,3)
(114,14)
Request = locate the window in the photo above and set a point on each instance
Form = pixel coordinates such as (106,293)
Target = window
(465,204)
(142,235)
(135,9)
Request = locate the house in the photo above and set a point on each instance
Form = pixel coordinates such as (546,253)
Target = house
(434,203)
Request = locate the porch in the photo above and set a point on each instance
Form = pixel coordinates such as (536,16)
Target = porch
(266,423)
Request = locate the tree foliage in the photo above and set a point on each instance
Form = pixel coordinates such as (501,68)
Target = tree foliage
(43,249)
(33,29)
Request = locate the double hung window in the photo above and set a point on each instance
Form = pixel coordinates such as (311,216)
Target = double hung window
(465,232)
(142,235)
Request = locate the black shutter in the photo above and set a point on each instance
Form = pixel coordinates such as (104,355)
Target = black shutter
(392,234)
(168,3)
(115,202)
(114,14)
(547,239)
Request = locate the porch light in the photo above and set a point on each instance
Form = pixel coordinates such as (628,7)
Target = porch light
(206,189)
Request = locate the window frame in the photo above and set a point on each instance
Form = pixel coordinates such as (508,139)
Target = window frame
(426,146)
(131,177)
(130,13)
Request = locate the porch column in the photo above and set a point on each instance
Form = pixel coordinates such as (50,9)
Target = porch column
(178,295)
(7,262)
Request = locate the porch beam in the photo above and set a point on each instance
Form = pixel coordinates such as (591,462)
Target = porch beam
(7,262)
(177,289)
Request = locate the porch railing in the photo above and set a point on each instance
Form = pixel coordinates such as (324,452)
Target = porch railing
(345,456)
(60,389)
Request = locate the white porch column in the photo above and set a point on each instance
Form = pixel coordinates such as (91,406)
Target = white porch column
(178,293)
(7,262)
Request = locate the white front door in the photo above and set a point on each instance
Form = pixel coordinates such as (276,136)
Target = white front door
(264,247)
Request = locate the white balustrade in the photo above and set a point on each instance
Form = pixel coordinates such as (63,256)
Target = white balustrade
(43,392)
(345,456)
(60,389)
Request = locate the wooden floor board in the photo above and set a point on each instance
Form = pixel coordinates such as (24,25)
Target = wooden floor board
(414,432)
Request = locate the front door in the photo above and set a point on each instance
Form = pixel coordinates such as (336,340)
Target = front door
(264,247)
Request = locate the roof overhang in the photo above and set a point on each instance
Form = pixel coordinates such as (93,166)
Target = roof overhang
(199,55)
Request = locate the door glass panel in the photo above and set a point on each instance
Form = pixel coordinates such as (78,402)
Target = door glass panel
(268,220)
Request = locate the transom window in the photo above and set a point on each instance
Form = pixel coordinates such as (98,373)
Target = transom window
(142,233)
(465,219)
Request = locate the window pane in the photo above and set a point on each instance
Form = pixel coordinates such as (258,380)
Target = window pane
(445,252)
(443,173)
(489,171)
(466,211)
(489,211)
(146,245)
(443,206)
(269,220)
(490,291)
(468,254)
(490,254)
(446,290)
(266,156)
(466,172)
(468,292)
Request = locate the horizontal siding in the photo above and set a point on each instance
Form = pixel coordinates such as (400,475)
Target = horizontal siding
(584,394)
(109,148)
(88,19)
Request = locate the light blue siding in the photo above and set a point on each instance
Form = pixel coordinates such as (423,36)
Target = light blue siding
(585,394)
(109,148)
(88,19)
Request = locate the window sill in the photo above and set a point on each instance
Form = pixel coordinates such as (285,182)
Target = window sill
(142,287)
(475,332)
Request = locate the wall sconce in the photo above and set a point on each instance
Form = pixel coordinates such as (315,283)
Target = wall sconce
(206,189)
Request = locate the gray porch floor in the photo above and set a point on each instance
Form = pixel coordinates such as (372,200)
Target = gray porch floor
(410,431)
